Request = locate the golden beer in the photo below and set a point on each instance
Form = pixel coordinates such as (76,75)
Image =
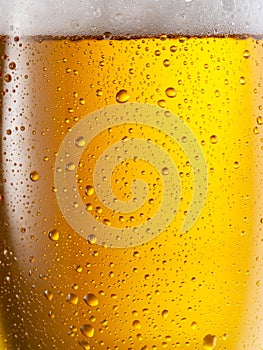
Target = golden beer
(189,281)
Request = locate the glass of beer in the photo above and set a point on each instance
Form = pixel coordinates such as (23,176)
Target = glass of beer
(131,175)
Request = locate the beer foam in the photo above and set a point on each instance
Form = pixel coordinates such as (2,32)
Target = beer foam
(131,17)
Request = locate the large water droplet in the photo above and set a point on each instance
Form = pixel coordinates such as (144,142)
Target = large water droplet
(87,330)
(91,299)
(122,96)
(72,299)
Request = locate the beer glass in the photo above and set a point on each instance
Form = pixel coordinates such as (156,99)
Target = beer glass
(131,175)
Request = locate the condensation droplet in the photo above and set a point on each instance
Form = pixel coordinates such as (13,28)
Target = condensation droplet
(91,299)
(136,324)
(165,171)
(48,295)
(209,342)
(165,314)
(162,103)
(8,78)
(122,96)
(70,166)
(236,165)
(53,235)
(166,63)
(194,325)
(99,92)
(87,330)
(170,92)
(242,80)
(82,101)
(72,299)
(12,65)
(92,239)
(34,176)
(80,142)
(89,190)
(246,54)
(213,139)
(260,120)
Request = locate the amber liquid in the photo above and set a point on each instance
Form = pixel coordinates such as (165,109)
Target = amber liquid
(199,289)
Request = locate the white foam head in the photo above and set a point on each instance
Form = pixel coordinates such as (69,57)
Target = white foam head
(130,17)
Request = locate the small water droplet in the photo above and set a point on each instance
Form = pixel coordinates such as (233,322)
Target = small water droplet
(122,96)
(246,54)
(242,80)
(236,165)
(12,65)
(70,166)
(166,63)
(89,190)
(209,342)
(34,176)
(194,325)
(91,299)
(136,324)
(213,139)
(87,330)
(48,295)
(53,235)
(92,239)
(165,314)
(260,120)
(8,78)
(82,101)
(162,103)
(170,92)
(72,299)
(99,92)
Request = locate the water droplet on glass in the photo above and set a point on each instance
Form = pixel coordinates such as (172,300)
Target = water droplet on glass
(91,299)
(48,295)
(72,299)
(92,239)
(12,65)
(213,139)
(209,342)
(170,92)
(246,54)
(80,142)
(34,176)
(242,80)
(70,166)
(87,330)
(89,190)
(122,96)
(82,101)
(53,235)
(165,314)
(260,120)
(136,324)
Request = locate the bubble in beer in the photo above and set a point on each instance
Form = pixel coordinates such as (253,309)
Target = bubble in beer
(34,176)
(72,299)
(89,190)
(48,295)
(53,235)
(91,299)
(87,330)
(170,92)
(122,96)
(209,342)
(213,139)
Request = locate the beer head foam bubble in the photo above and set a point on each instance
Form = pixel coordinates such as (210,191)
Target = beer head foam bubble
(130,17)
